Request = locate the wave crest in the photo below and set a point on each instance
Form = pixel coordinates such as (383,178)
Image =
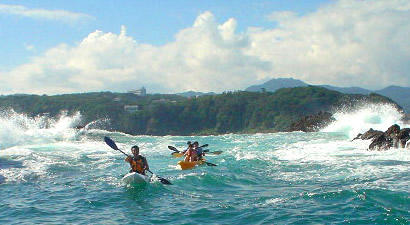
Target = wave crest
(364,117)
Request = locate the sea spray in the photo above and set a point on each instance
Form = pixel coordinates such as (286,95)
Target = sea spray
(364,117)
(98,124)
(19,128)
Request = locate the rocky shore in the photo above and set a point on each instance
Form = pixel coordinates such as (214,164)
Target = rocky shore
(312,123)
(394,137)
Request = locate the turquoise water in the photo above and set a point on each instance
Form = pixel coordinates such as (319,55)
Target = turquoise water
(57,176)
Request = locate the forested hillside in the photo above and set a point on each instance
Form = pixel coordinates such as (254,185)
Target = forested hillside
(175,115)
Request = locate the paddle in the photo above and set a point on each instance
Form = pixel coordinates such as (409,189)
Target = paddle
(215,152)
(176,150)
(210,164)
(112,144)
(173,149)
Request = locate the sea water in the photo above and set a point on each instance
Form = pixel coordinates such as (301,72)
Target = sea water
(53,174)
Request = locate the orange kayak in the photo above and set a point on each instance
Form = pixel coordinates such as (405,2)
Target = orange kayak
(189,165)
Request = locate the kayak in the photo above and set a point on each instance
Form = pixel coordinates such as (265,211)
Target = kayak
(189,165)
(177,154)
(135,178)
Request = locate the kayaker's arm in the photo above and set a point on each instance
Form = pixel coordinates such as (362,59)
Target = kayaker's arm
(145,163)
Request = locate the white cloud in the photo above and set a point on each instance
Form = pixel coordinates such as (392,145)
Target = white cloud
(58,15)
(348,43)
(207,56)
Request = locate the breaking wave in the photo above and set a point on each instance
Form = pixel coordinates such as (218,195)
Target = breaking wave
(376,116)
(21,129)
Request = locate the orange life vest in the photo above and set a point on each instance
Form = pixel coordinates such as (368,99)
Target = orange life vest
(137,165)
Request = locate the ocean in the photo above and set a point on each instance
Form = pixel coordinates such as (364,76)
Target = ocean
(53,174)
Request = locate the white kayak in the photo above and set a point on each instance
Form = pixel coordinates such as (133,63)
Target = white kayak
(135,178)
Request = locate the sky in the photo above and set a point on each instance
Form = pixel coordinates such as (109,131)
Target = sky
(59,47)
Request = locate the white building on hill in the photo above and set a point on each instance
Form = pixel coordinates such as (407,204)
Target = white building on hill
(141,92)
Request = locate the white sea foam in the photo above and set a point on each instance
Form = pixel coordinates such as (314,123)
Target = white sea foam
(376,116)
(33,161)
(21,129)
(18,128)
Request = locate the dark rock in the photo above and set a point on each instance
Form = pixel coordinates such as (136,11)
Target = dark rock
(391,135)
(380,143)
(394,130)
(312,123)
(371,134)
(391,138)
(404,136)
(404,133)
(358,136)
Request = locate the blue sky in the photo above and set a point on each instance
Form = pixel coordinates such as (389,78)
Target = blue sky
(53,47)
(153,22)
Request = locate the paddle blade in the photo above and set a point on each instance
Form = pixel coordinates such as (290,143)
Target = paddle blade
(203,146)
(164,181)
(161,179)
(210,164)
(173,148)
(215,152)
(111,143)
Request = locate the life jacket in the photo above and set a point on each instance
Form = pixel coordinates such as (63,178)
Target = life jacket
(137,165)
(199,152)
(191,152)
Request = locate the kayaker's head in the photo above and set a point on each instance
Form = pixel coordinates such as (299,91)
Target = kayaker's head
(135,150)
(191,146)
(196,144)
(188,143)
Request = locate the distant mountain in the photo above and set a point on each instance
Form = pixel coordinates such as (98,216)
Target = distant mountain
(401,95)
(396,91)
(276,84)
(347,90)
(190,94)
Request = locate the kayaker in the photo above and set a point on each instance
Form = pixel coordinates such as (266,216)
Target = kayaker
(188,143)
(190,154)
(199,150)
(138,163)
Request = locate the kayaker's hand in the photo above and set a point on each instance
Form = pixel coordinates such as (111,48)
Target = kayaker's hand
(128,159)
